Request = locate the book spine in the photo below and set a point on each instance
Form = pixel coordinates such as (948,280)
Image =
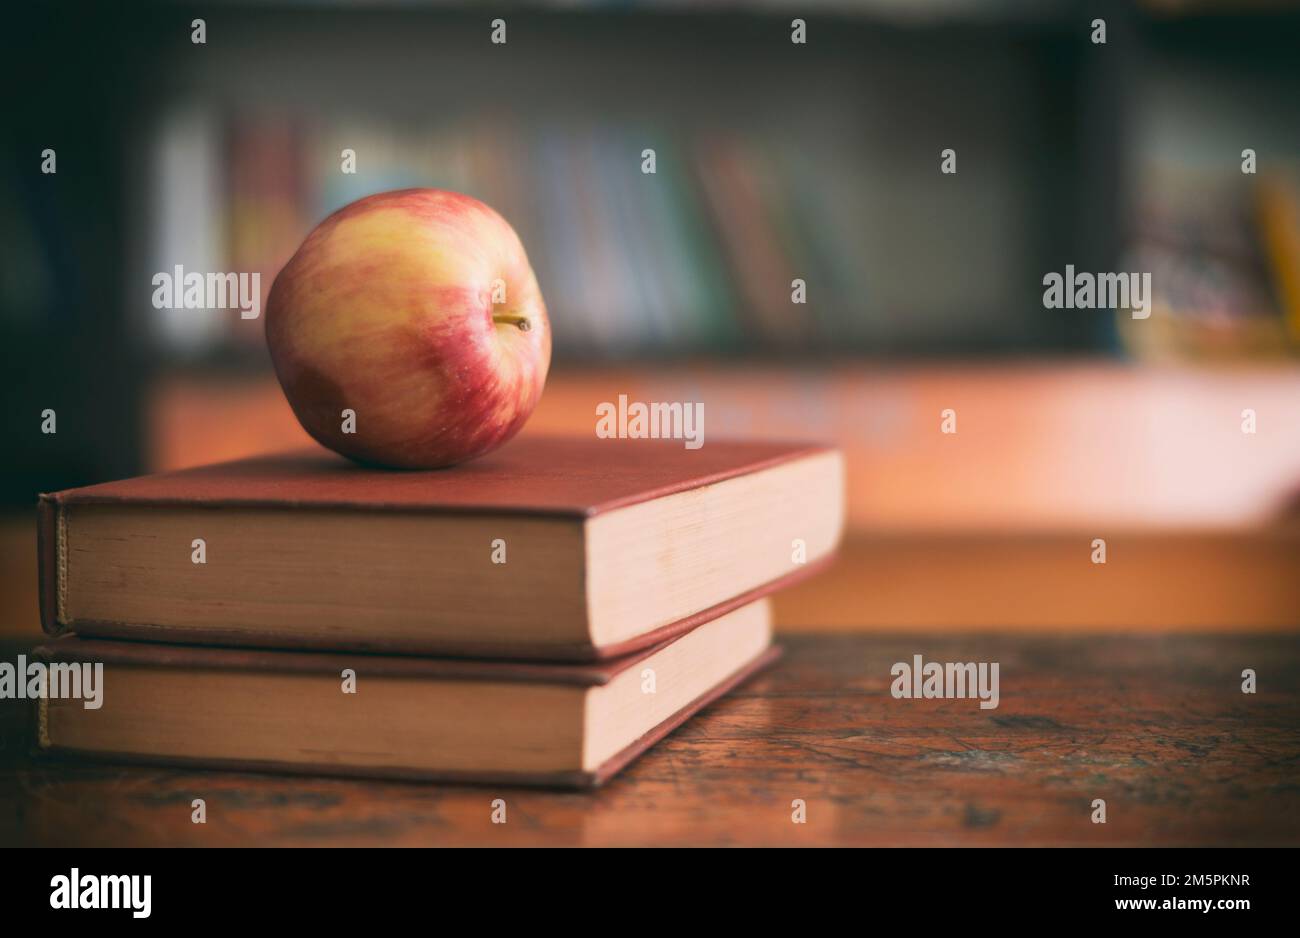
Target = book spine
(48,546)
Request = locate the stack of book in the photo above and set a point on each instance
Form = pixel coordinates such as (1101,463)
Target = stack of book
(541,615)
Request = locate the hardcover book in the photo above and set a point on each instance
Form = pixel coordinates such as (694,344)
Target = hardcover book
(569,725)
(549,548)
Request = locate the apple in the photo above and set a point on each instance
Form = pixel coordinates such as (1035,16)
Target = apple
(408,330)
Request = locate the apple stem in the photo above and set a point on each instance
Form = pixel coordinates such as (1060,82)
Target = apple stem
(521,321)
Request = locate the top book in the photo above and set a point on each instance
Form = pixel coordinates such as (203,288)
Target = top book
(553,548)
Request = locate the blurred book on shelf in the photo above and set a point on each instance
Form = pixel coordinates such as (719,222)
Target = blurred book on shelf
(736,243)
(1279,213)
(1224,258)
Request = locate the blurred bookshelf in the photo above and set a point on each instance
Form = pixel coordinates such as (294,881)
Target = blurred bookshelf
(774,162)
(1222,245)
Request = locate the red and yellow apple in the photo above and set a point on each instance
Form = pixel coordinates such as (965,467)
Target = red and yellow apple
(409,331)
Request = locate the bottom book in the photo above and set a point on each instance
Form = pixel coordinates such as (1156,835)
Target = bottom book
(571,726)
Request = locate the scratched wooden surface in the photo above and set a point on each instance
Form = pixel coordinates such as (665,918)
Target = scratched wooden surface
(1157,726)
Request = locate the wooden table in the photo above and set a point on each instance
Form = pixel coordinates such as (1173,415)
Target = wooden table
(1156,726)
